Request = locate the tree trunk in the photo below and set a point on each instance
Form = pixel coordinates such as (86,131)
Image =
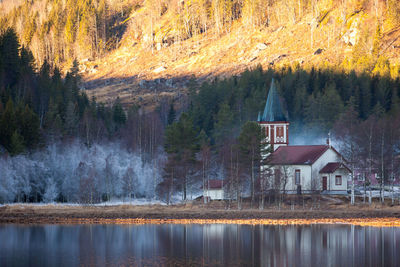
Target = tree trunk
(382,169)
(252,180)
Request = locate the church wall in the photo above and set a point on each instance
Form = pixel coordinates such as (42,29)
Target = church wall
(328,156)
(310,178)
(345,175)
(289,172)
(305,175)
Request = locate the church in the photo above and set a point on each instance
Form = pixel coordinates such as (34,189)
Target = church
(297,168)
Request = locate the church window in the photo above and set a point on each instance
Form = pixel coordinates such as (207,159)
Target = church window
(338,180)
(297,176)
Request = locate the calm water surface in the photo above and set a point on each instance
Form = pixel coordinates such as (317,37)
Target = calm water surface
(198,245)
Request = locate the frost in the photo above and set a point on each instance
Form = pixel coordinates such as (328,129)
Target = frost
(72,172)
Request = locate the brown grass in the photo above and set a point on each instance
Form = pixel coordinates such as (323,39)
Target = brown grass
(197,212)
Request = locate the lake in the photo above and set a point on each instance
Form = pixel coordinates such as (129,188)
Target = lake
(198,245)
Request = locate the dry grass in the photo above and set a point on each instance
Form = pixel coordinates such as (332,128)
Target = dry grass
(323,211)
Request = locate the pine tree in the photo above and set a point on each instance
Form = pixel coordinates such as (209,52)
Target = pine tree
(9,54)
(71,119)
(223,123)
(30,127)
(171,114)
(16,144)
(7,125)
(181,144)
(250,148)
(119,115)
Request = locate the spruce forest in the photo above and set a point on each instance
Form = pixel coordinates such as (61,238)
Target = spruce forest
(59,143)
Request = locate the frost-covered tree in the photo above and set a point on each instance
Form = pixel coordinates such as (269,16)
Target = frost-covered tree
(72,172)
(51,192)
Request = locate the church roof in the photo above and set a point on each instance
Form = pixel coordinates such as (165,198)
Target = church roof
(331,167)
(273,109)
(296,155)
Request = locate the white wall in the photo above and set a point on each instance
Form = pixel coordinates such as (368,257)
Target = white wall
(289,172)
(214,193)
(331,185)
(310,178)
(305,174)
(328,156)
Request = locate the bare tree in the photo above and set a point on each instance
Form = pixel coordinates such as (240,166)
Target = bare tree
(345,130)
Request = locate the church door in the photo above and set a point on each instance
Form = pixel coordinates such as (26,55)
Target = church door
(324,183)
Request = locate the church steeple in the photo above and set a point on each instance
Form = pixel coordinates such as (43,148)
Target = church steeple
(274,121)
(273,109)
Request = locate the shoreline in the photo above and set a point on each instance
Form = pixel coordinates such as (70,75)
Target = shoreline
(361,214)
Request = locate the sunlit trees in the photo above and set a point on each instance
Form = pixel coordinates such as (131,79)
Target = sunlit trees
(393,12)
(256,13)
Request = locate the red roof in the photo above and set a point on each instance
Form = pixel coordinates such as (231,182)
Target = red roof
(296,155)
(331,167)
(215,184)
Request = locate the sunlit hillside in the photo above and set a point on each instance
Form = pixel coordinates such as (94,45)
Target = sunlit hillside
(143,51)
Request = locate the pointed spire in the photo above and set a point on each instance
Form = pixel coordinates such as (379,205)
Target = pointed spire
(273,110)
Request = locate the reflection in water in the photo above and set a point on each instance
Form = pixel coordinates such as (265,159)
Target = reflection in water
(198,245)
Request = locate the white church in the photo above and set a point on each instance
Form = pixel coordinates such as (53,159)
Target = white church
(303,168)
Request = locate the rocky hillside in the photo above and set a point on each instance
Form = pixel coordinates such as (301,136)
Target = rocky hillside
(166,42)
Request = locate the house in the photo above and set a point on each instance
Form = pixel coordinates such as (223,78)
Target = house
(364,175)
(304,168)
(214,190)
(370,177)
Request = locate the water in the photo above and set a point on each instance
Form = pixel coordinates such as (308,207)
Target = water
(198,245)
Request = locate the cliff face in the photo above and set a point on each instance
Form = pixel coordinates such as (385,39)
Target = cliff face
(163,43)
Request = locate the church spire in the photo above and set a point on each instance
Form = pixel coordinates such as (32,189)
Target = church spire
(273,111)
(274,122)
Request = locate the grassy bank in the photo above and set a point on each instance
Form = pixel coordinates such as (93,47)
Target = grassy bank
(322,210)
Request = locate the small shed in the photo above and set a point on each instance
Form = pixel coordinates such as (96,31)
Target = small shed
(214,190)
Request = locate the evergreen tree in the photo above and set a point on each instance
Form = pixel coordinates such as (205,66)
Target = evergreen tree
(9,57)
(181,144)
(7,125)
(30,127)
(250,139)
(119,115)
(223,123)
(71,119)
(16,144)
(171,114)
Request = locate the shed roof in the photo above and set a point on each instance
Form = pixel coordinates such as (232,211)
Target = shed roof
(331,167)
(215,184)
(296,155)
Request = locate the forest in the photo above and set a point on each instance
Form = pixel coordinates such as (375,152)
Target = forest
(58,145)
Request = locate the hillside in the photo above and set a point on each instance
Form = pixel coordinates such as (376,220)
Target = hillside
(136,73)
(164,43)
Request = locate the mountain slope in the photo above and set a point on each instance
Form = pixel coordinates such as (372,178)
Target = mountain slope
(153,51)
(136,73)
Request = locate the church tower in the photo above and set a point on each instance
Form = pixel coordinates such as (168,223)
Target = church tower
(274,122)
